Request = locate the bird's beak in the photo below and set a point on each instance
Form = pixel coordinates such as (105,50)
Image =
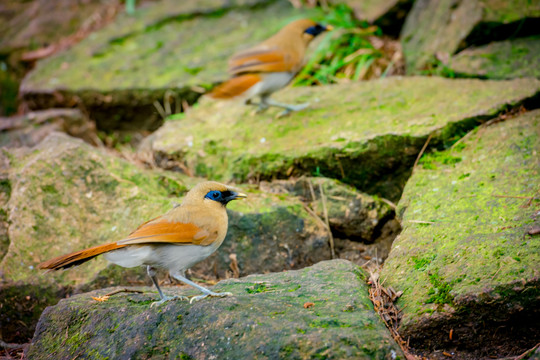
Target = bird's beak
(329,27)
(240,196)
(235,195)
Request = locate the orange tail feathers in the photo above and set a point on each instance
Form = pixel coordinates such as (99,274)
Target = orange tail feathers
(78,257)
(235,86)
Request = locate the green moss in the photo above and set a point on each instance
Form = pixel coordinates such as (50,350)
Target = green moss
(440,292)
(258,288)
(394,127)
(509,59)
(464,225)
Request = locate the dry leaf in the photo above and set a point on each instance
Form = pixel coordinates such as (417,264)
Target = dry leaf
(308,305)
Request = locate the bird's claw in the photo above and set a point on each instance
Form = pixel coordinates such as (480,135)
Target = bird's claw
(292,108)
(261,109)
(167,298)
(200,297)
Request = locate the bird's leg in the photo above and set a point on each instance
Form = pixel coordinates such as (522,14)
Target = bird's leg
(206,292)
(261,106)
(152,273)
(288,108)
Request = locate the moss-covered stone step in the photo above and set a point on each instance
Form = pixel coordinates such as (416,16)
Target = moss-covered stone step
(29,25)
(466,260)
(438,28)
(167,52)
(66,195)
(268,316)
(388,14)
(509,59)
(367,134)
(351,214)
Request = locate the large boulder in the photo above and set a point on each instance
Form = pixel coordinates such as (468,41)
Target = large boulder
(367,134)
(29,25)
(61,196)
(317,312)
(467,259)
(438,28)
(351,214)
(167,53)
(509,59)
(31,128)
(388,14)
(64,195)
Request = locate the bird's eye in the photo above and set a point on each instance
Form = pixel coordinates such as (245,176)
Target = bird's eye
(214,195)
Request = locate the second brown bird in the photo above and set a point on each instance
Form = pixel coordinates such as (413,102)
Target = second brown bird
(269,66)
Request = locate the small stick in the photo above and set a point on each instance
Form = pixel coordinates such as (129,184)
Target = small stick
(11,345)
(421,222)
(160,109)
(422,151)
(124,290)
(325,210)
(513,197)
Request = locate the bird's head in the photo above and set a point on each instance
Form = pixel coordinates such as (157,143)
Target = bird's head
(211,193)
(307,29)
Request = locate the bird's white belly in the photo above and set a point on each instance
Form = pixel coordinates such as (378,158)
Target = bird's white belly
(270,83)
(171,257)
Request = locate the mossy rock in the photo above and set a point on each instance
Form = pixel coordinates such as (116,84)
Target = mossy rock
(66,195)
(265,318)
(29,25)
(367,134)
(465,260)
(168,51)
(509,59)
(351,214)
(441,27)
(31,128)
(388,14)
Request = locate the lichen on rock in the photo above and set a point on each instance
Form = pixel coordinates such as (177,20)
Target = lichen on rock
(265,318)
(465,259)
(366,134)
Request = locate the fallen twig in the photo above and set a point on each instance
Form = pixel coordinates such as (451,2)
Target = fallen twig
(422,151)
(325,211)
(11,345)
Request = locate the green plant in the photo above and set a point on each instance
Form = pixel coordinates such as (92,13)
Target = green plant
(344,53)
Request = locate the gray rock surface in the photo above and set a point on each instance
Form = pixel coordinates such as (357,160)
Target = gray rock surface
(467,258)
(267,317)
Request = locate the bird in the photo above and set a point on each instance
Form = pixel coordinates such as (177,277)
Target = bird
(175,241)
(269,66)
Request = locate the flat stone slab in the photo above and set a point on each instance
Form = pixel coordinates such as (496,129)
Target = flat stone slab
(267,317)
(437,28)
(367,134)
(466,260)
(31,128)
(167,52)
(27,25)
(509,59)
(64,195)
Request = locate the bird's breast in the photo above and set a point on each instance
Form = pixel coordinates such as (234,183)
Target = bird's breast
(271,82)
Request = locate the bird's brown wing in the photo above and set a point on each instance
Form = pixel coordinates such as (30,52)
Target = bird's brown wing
(151,232)
(235,86)
(163,231)
(260,60)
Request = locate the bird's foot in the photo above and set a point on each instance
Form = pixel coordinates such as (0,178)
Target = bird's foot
(167,298)
(290,108)
(261,108)
(211,294)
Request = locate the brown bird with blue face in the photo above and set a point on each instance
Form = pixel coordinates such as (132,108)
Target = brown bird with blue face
(269,66)
(184,236)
